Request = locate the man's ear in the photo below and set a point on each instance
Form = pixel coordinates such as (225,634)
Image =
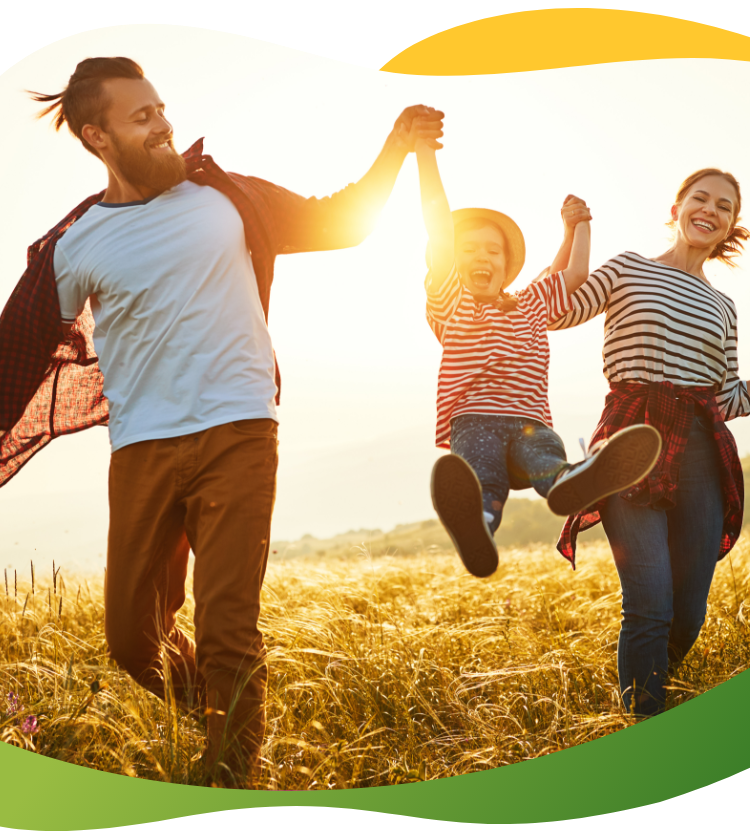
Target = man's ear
(95,136)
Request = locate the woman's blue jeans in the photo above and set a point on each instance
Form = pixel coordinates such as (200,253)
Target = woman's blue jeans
(666,562)
(507,452)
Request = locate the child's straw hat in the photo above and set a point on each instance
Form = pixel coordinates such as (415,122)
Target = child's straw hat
(515,246)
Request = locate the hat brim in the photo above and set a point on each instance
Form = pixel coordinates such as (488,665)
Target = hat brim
(515,254)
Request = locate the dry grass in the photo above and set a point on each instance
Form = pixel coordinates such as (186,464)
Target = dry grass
(382,670)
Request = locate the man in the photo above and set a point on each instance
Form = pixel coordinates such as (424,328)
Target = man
(176,260)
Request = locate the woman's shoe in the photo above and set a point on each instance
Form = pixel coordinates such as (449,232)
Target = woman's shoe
(457,498)
(621,461)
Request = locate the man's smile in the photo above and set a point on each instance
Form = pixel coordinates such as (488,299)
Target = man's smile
(162,145)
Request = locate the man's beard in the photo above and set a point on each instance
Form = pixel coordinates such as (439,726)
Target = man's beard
(158,171)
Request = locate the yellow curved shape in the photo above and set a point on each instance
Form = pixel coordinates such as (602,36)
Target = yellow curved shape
(553,38)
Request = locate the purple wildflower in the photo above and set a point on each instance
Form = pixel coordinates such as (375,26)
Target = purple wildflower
(29,724)
(14,704)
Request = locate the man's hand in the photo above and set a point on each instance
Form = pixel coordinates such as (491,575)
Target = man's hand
(418,123)
(574,210)
(361,202)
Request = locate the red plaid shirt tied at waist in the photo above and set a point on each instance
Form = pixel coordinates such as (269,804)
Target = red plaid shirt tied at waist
(51,387)
(670,410)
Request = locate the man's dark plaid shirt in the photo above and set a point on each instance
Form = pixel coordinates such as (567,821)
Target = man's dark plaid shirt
(50,386)
(670,410)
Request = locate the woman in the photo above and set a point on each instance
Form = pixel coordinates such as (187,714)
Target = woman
(670,354)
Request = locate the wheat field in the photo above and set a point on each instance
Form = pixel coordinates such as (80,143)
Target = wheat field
(383,670)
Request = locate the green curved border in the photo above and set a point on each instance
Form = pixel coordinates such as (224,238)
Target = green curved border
(696,744)
(699,743)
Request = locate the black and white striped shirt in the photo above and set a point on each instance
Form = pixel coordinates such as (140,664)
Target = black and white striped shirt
(663,324)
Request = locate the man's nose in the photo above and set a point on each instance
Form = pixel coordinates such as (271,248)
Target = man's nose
(162,125)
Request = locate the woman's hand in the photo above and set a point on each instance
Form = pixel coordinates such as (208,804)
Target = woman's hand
(574,210)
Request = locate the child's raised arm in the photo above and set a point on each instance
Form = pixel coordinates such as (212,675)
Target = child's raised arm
(437,216)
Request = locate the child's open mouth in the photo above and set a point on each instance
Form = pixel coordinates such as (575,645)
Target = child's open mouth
(481,278)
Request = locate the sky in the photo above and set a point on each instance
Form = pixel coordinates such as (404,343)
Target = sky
(358,361)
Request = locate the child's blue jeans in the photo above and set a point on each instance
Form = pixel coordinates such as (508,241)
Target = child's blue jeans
(666,561)
(507,452)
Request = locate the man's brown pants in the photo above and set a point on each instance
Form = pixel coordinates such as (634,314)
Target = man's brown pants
(212,492)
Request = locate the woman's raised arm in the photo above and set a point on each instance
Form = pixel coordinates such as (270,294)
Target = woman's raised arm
(590,299)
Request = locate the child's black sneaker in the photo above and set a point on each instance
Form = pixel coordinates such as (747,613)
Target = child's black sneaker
(621,461)
(457,498)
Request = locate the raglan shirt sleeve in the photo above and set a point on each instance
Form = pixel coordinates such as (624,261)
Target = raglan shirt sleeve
(591,298)
(70,290)
(442,300)
(551,294)
(733,399)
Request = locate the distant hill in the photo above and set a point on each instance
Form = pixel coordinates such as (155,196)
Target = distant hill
(525,521)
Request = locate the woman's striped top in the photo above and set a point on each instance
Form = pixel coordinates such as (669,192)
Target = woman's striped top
(494,362)
(663,324)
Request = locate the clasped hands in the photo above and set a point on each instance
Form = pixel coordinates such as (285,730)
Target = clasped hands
(419,124)
(574,211)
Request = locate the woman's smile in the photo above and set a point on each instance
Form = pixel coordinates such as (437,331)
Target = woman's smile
(702,224)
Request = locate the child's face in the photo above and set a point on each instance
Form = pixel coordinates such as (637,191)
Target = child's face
(480,260)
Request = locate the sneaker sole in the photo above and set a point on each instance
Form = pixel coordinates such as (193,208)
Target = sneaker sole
(457,498)
(628,457)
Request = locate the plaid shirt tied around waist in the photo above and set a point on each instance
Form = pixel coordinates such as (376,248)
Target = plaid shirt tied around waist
(670,410)
(50,386)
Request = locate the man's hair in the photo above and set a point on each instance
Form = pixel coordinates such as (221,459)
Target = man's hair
(83,101)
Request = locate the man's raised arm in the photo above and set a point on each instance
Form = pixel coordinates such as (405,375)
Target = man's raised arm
(347,217)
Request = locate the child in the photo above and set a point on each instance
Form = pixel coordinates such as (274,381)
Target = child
(493,409)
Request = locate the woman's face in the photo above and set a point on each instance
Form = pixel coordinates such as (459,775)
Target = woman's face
(708,212)
(480,260)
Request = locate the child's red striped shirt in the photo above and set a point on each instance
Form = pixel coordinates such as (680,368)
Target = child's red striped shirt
(494,362)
